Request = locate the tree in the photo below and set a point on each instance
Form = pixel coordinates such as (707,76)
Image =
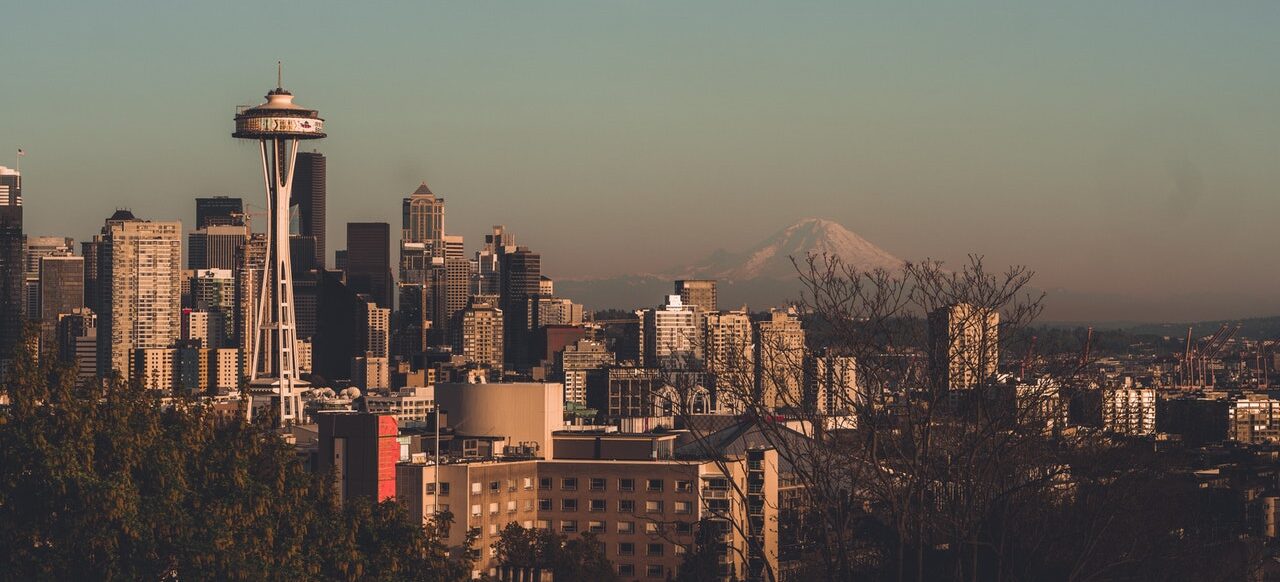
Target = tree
(113,482)
(579,558)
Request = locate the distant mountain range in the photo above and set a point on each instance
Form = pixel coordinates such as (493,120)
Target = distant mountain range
(760,276)
(764,275)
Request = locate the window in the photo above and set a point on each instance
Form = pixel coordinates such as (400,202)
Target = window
(627,505)
(569,484)
(475,488)
(568,504)
(718,505)
(654,571)
(528,524)
(597,505)
(544,524)
(626,549)
(494,486)
(544,482)
(626,527)
(493,508)
(626,570)
(653,506)
(544,505)
(493,529)
(654,484)
(569,526)
(652,527)
(431,489)
(626,484)
(528,483)
(679,549)
(444,488)
(654,549)
(511,484)
(511,506)
(597,484)
(475,510)
(684,527)
(595,526)
(528,505)
(684,486)
(718,483)
(493,551)
(683,507)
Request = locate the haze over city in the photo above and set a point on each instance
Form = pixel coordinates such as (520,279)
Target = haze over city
(1125,152)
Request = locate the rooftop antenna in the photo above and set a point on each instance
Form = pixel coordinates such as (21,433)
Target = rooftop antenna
(279,75)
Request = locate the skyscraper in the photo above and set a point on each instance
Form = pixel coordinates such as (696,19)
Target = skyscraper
(78,342)
(214,291)
(779,359)
(90,250)
(12,249)
(39,247)
(486,280)
(369,260)
(61,292)
(422,217)
(698,293)
(671,334)
(219,211)
(478,336)
(215,246)
(964,345)
(309,191)
(519,273)
(143,290)
(450,291)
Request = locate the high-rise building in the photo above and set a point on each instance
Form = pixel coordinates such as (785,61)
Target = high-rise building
(199,327)
(450,290)
(360,450)
(672,335)
(309,191)
(488,261)
(250,265)
(375,324)
(964,345)
(143,290)
(61,292)
(91,250)
(519,273)
(546,286)
(219,211)
(215,247)
(214,291)
(779,359)
(369,260)
(698,293)
(729,354)
(478,336)
(78,342)
(575,361)
(39,247)
(833,385)
(422,217)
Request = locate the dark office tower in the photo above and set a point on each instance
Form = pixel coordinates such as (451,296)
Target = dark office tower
(12,276)
(89,251)
(215,247)
(340,260)
(413,320)
(520,272)
(219,211)
(302,254)
(309,197)
(369,260)
(78,342)
(337,329)
(450,283)
(61,292)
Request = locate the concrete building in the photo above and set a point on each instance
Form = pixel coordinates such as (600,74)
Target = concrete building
(964,346)
(155,367)
(729,354)
(196,326)
(672,335)
(1125,410)
(214,291)
(219,211)
(779,359)
(479,336)
(525,413)
(143,290)
(575,362)
(832,382)
(362,451)
(546,286)
(1254,419)
(699,294)
(422,216)
(411,406)
(370,372)
(450,292)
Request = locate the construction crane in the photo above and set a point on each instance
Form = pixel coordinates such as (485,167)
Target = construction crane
(1220,339)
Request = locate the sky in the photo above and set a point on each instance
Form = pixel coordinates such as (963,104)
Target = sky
(1118,148)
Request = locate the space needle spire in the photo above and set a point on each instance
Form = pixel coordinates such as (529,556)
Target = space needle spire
(277,125)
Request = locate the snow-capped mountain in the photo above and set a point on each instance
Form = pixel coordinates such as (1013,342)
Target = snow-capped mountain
(771,259)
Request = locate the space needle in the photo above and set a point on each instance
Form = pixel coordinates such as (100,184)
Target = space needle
(277,125)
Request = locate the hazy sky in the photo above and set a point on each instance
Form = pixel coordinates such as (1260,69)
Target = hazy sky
(1116,147)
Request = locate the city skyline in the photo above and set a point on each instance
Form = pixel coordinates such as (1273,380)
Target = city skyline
(1010,133)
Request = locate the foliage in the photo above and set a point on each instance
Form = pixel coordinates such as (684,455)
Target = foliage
(113,483)
(580,558)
